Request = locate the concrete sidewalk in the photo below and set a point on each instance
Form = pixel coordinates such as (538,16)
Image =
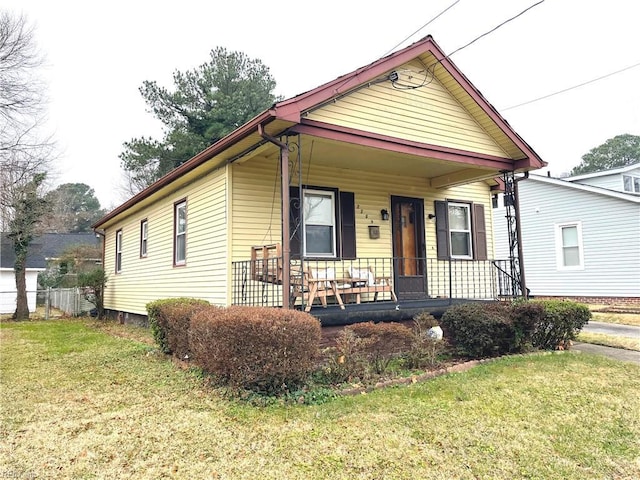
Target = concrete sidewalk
(614,329)
(614,353)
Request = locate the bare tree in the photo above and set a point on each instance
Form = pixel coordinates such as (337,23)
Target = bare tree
(21,91)
(25,156)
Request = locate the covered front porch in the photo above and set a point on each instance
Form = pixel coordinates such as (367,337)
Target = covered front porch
(362,289)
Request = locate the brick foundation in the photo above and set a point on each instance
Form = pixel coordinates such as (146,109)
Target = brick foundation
(609,301)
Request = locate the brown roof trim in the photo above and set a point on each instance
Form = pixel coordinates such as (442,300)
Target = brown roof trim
(383,142)
(292,108)
(197,160)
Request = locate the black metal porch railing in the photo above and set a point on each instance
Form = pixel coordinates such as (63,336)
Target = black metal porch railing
(259,282)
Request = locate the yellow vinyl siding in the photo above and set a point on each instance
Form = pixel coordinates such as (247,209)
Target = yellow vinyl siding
(429,114)
(145,279)
(256,204)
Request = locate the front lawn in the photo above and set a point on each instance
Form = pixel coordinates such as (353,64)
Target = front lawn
(85,402)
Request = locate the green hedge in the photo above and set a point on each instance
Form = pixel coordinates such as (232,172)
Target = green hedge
(480,329)
(495,328)
(560,324)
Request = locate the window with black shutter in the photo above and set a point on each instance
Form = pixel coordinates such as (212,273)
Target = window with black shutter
(322,223)
(460,230)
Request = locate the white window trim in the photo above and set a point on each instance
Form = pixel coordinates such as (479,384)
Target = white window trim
(332,193)
(144,238)
(118,268)
(176,209)
(469,231)
(633,179)
(559,252)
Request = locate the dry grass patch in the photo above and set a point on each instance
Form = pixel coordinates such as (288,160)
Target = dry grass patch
(80,403)
(620,318)
(610,341)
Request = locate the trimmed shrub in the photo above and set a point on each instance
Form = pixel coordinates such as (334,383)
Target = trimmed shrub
(169,320)
(263,349)
(424,349)
(382,342)
(561,323)
(526,317)
(480,329)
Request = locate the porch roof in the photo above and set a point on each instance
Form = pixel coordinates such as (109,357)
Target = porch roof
(446,166)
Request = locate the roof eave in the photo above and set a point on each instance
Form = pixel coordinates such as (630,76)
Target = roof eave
(250,127)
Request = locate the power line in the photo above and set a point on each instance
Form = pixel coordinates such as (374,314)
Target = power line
(392,49)
(422,27)
(573,87)
(495,28)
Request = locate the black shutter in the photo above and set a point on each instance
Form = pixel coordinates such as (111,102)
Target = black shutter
(479,232)
(348,224)
(442,229)
(295,222)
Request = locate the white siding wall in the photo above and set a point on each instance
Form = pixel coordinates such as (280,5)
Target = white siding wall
(8,292)
(611,182)
(610,233)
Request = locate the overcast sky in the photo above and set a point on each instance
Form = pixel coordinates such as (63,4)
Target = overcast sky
(99,53)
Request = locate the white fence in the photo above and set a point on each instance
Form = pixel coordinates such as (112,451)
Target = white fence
(70,300)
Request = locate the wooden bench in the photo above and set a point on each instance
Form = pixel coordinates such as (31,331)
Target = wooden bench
(359,281)
(310,284)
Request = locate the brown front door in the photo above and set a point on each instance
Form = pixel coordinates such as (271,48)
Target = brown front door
(409,249)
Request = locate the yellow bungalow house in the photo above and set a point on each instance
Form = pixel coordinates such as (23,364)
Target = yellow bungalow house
(367,196)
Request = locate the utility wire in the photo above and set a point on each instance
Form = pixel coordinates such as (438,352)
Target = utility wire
(392,49)
(495,28)
(433,65)
(572,88)
(422,27)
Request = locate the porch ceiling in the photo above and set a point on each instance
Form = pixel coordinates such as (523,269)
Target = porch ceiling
(332,153)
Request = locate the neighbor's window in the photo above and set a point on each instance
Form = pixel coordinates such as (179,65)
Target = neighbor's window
(319,223)
(631,183)
(144,235)
(180,233)
(460,230)
(118,251)
(569,246)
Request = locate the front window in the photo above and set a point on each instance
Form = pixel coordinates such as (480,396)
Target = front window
(180,233)
(631,183)
(569,246)
(118,251)
(460,230)
(319,223)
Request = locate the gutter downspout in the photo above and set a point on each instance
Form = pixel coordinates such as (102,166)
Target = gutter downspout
(284,193)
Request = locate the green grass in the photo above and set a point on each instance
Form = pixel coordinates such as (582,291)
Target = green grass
(80,401)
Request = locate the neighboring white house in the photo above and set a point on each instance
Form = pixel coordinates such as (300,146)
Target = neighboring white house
(35,265)
(580,235)
(42,249)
